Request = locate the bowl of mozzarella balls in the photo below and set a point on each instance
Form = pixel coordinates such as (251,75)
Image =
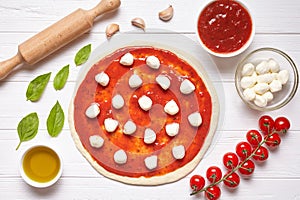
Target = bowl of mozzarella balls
(266,79)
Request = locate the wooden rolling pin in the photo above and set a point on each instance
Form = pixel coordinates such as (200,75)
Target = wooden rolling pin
(56,36)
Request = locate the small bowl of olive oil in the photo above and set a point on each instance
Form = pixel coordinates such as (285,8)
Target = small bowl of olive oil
(40,166)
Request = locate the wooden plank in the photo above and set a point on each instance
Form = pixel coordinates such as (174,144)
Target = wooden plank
(75,164)
(32,16)
(232,108)
(9,42)
(101,188)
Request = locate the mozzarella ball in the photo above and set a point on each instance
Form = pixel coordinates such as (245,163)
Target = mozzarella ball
(260,101)
(248,82)
(129,128)
(120,157)
(248,69)
(261,88)
(172,129)
(96,141)
(93,110)
(163,81)
(153,62)
(178,152)
(283,76)
(265,78)
(195,119)
(171,108)
(269,96)
(249,94)
(275,86)
(127,59)
(262,67)
(102,78)
(273,65)
(110,125)
(149,136)
(151,162)
(118,101)
(145,103)
(187,87)
(135,81)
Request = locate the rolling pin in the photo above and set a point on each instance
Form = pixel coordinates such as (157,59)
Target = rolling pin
(56,36)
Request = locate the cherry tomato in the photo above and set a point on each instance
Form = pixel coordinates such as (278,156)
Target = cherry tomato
(213,192)
(213,174)
(243,150)
(282,124)
(266,124)
(197,182)
(273,140)
(261,154)
(232,181)
(254,137)
(247,168)
(230,160)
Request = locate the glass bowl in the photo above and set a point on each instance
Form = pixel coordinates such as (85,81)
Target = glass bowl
(280,98)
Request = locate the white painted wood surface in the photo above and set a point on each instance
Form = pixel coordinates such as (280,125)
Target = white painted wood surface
(277,25)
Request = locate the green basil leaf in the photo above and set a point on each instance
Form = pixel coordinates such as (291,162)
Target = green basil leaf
(61,78)
(37,86)
(83,54)
(28,128)
(55,121)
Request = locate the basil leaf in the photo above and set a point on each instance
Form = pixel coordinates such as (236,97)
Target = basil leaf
(83,54)
(37,86)
(55,121)
(28,128)
(61,78)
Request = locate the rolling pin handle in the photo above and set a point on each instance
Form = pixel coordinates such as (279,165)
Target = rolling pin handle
(7,66)
(104,6)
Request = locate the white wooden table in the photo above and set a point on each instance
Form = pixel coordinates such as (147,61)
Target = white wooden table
(277,25)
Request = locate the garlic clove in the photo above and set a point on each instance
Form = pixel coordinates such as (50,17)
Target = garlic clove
(138,22)
(111,29)
(167,14)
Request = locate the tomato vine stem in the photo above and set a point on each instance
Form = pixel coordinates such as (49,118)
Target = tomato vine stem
(238,166)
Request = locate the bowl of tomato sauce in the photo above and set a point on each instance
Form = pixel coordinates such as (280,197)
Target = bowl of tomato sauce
(225,28)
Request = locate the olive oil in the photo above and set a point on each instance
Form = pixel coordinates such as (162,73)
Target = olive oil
(41,164)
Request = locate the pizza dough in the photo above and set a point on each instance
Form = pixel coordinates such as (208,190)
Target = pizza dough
(127,157)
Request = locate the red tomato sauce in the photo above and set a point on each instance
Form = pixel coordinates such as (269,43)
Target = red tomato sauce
(224,26)
(177,70)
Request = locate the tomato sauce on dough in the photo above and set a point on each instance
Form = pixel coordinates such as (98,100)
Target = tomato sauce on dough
(177,70)
(224,26)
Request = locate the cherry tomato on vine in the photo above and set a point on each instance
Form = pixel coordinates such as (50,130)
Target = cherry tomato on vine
(230,160)
(254,137)
(213,192)
(261,154)
(213,174)
(282,124)
(197,182)
(266,124)
(247,168)
(273,140)
(232,181)
(243,150)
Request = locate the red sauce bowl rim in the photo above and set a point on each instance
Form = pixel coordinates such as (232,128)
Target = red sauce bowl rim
(230,54)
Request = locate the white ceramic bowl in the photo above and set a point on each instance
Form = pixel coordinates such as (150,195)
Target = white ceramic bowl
(231,53)
(36,183)
(288,91)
